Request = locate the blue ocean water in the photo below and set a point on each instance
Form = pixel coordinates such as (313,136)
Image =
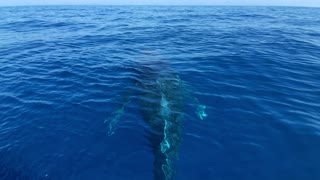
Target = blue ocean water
(64,70)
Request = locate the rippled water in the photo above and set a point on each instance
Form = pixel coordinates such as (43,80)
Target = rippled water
(65,70)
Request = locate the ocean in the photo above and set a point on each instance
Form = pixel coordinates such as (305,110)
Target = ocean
(159,92)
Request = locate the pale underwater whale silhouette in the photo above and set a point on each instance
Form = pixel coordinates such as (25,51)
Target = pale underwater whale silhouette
(161,96)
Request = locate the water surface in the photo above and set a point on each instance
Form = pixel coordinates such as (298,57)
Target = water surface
(257,70)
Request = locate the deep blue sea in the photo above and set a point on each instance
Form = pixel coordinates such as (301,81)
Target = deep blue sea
(86,91)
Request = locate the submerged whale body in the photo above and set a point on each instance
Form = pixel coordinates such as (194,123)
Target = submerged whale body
(162,106)
(161,98)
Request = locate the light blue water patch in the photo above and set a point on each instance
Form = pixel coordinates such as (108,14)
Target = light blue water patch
(201,112)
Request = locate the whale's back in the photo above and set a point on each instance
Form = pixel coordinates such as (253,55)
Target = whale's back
(162,102)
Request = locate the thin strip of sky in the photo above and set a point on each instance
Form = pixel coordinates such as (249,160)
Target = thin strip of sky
(311,3)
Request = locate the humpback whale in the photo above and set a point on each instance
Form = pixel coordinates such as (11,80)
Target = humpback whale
(160,95)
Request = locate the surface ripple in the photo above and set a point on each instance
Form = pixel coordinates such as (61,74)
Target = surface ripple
(63,70)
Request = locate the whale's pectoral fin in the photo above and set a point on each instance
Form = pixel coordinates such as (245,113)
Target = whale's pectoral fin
(113,120)
(200,111)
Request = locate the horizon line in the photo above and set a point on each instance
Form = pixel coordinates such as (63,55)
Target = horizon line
(217,5)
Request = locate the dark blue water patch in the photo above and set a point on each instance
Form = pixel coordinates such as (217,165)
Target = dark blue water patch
(64,71)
